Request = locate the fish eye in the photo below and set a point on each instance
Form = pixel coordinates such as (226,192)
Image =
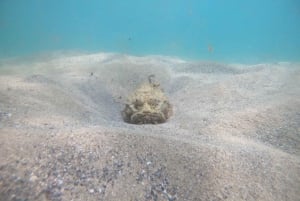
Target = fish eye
(138,103)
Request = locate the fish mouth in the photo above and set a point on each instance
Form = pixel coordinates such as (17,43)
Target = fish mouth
(147,118)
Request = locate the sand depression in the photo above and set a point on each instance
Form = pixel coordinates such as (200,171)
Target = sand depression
(234,134)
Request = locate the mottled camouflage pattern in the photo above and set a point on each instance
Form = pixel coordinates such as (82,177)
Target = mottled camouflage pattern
(147,105)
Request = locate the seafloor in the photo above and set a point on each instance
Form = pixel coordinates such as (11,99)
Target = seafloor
(234,135)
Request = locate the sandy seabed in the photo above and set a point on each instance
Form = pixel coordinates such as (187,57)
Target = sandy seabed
(234,135)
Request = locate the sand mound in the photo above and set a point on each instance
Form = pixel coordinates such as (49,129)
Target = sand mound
(234,134)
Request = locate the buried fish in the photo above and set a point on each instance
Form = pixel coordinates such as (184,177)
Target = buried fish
(147,105)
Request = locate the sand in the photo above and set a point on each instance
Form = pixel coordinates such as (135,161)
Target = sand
(234,135)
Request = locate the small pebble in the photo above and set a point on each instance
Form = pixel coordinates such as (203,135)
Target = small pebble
(60,182)
(33,178)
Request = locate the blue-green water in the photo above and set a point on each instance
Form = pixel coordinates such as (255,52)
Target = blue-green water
(222,30)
